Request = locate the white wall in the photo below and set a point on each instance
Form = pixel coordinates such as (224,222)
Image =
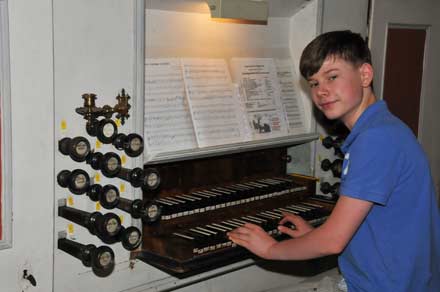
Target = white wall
(345,14)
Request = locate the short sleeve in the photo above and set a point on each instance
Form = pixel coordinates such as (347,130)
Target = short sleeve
(371,167)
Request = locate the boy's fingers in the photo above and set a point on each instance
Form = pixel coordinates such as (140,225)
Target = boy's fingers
(296,218)
(245,230)
(285,230)
(239,241)
(284,220)
(291,232)
(251,226)
(288,217)
(240,230)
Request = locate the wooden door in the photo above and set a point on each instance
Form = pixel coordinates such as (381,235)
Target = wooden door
(404,72)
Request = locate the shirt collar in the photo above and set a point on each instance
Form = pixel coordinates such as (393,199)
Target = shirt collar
(372,110)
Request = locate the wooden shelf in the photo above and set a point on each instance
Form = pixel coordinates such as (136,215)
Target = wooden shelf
(213,151)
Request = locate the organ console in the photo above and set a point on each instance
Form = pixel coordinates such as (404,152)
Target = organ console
(203,199)
(188,206)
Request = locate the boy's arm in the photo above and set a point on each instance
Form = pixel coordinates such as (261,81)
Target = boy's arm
(329,238)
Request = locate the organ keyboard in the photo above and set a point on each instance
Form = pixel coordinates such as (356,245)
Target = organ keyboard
(203,199)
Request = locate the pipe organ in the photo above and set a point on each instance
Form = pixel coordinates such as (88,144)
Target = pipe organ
(86,206)
(143,222)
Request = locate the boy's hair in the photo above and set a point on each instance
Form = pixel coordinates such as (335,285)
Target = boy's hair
(342,44)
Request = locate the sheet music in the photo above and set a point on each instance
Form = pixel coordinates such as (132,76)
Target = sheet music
(290,98)
(167,120)
(214,108)
(261,91)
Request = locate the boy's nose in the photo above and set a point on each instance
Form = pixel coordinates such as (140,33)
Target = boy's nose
(322,91)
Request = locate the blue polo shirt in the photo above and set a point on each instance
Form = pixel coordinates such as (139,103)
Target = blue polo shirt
(397,247)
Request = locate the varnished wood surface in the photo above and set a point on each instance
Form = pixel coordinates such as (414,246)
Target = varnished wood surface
(175,255)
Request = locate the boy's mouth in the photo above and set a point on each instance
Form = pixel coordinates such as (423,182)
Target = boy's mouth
(327,104)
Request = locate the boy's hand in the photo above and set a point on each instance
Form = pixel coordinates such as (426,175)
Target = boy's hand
(254,238)
(301,226)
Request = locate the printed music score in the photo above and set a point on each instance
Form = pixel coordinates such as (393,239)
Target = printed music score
(192,103)
(214,108)
(261,93)
(167,121)
(290,99)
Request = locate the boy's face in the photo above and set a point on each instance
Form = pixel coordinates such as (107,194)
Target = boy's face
(342,90)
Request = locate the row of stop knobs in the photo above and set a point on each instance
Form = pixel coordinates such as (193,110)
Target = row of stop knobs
(334,166)
(107,227)
(78,182)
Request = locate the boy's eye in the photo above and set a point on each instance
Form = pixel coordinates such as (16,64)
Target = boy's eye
(332,77)
(313,84)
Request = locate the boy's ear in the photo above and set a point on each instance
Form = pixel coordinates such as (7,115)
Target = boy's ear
(366,71)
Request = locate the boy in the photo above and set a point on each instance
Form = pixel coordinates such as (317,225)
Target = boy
(386,223)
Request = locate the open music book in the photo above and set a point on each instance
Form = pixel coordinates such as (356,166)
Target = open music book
(193,103)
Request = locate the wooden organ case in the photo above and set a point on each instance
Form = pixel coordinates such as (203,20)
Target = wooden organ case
(203,199)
